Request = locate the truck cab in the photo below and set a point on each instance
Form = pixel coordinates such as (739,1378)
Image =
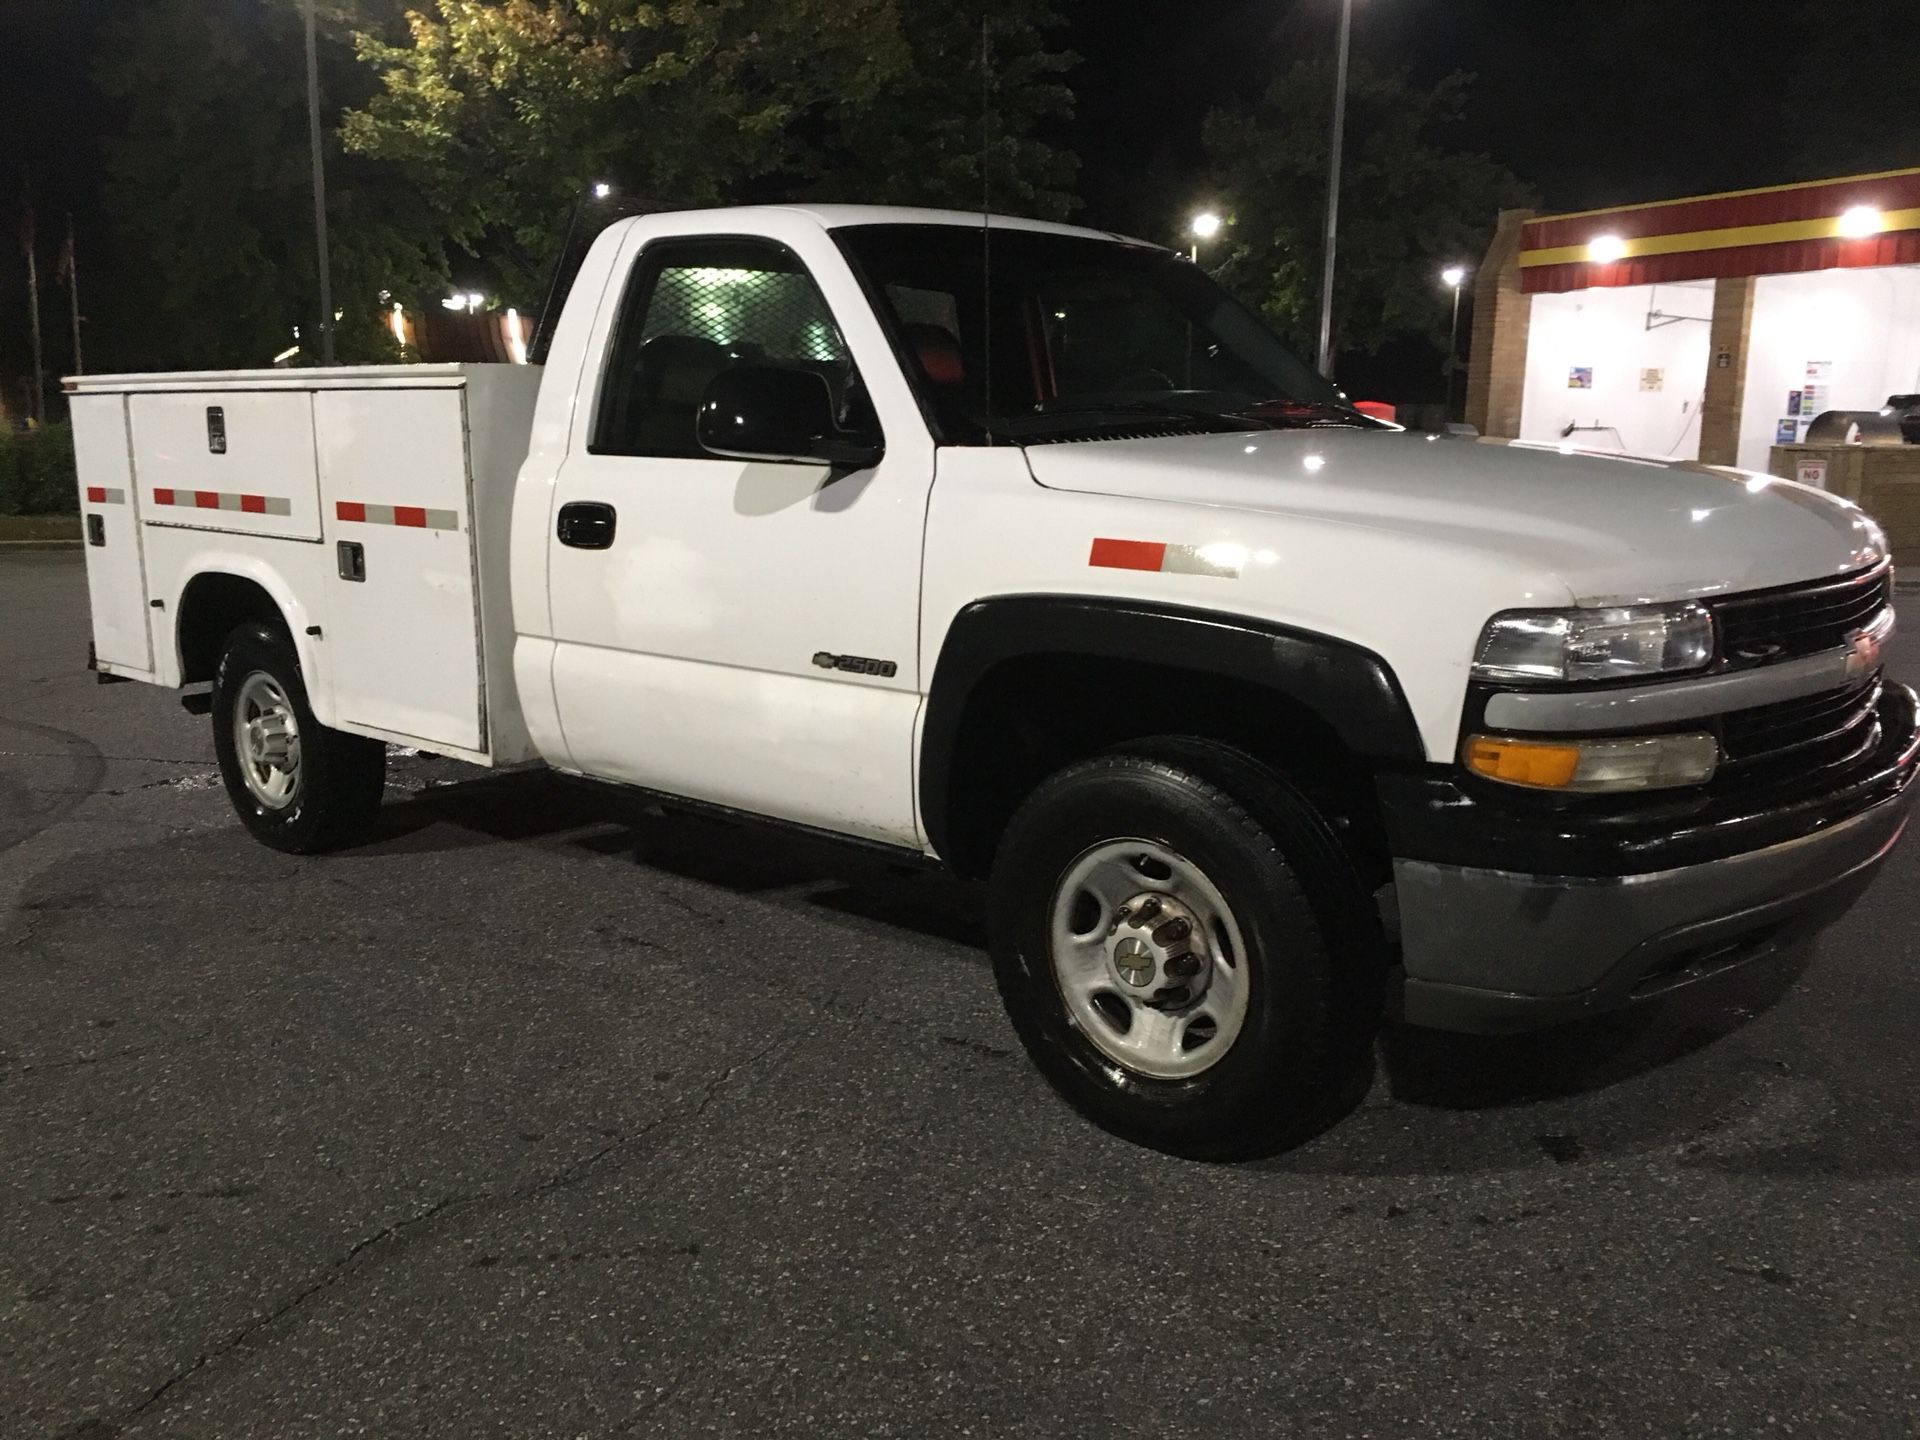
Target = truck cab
(1026,549)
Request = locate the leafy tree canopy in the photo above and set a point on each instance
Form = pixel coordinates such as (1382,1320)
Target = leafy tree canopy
(502,111)
(210,190)
(1409,203)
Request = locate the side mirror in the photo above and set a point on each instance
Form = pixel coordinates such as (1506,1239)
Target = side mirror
(766,412)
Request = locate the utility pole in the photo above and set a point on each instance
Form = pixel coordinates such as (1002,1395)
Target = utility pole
(27,238)
(70,272)
(319,194)
(1333,185)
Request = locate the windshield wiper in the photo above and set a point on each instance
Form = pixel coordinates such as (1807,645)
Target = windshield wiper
(1283,413)
(1117,412)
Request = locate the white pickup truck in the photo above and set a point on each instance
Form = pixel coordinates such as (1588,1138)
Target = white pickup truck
(1025,548)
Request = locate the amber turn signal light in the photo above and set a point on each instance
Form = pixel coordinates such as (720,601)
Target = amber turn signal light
(1524,762)
(1631,762)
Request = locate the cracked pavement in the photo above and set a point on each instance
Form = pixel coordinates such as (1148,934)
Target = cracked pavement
(532,1118)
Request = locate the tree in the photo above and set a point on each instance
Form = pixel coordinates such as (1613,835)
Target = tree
(1409,204)
(210,189)
(501,112)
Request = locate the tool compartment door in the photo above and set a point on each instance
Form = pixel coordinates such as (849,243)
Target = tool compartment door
(227,459)
(402,633)
(110,521)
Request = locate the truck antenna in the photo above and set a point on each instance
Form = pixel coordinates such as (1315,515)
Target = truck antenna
(594,206)
(986,226)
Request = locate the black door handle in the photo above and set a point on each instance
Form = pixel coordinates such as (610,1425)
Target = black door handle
(585,525)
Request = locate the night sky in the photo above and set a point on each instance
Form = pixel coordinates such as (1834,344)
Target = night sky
(1593,104)
(1590,103)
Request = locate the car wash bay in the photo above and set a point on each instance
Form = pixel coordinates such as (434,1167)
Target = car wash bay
(1714,329)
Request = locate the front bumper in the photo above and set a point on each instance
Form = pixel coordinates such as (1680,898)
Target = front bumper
(1494,949)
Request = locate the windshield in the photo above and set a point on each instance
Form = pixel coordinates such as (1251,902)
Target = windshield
(1086,338)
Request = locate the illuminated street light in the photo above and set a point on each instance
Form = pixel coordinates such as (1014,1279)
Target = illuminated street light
(1454,276)
(1204,226)
(1606,249)
(1862,222)
(602,190)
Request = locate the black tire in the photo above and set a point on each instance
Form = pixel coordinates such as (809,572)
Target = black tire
(335,797)
(1303,1056)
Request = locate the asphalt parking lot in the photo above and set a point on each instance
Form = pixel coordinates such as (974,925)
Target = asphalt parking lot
(531,1120)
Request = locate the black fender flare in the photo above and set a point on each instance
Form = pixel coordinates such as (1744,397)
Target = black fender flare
(1349,687)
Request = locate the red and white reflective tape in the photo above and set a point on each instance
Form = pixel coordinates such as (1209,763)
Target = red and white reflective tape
(1223,561)
(224,500)
(412,517)
(105,495)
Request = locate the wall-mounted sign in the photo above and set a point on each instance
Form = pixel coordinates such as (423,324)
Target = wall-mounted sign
(1651,380)
(1793,402)
(1811,472)
(1580,378)
(1786,432)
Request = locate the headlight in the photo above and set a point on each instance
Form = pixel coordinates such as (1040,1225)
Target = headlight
(1647,762)
(1595,644)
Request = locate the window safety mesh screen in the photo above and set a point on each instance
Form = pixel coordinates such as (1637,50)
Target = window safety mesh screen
(697,311)
(768,314)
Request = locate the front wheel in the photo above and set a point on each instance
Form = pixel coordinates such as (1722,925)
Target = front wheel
(1186,952)
(297,785)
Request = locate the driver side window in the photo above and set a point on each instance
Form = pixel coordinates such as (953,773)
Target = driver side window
(694,308)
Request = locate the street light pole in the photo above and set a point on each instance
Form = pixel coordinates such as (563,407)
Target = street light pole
(1453,350)
(1333,185)
(319,194)
(1455,276)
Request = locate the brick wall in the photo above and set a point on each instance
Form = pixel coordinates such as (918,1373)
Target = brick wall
(1726,371)
(1497,364)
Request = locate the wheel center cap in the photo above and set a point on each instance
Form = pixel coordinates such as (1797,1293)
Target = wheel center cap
(1134,961)
(1158,944)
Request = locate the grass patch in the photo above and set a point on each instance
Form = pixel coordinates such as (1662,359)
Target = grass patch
(39,527)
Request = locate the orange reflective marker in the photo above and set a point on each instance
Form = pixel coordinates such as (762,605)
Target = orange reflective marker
(1523,762)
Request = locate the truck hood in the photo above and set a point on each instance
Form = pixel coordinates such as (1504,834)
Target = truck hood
(1613,529)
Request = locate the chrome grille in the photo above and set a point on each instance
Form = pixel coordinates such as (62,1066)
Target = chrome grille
(1798,737)
(1774,729)
(1801,619)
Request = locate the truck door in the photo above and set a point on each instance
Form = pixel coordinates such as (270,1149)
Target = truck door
(740,632)
(110,517)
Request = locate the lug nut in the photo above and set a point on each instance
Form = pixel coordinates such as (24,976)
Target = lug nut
(1149,908)
(1176,929)
(1172,996)
(1182,967)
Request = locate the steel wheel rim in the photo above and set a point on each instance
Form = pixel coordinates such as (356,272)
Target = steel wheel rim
(1100,950)
(266,740)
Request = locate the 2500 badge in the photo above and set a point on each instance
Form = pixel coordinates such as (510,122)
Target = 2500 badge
(856,665)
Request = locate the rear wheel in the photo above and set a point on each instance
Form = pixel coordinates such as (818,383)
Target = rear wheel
(1186,952)
(297,785)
